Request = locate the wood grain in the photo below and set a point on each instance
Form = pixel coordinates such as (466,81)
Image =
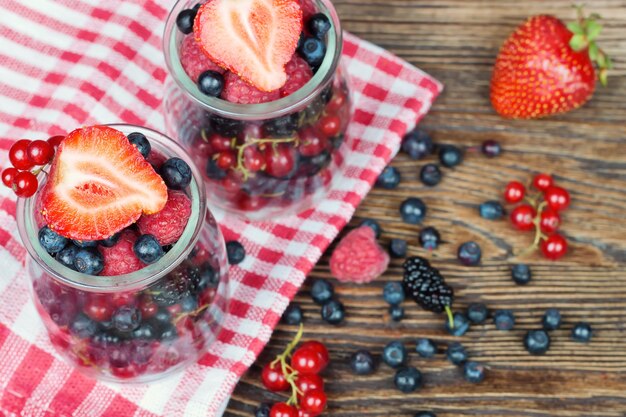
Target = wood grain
(457,41)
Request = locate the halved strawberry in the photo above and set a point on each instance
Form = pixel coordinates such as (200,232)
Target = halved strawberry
(252,38)
(99,183)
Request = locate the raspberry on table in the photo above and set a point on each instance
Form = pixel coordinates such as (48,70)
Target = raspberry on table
(358,257)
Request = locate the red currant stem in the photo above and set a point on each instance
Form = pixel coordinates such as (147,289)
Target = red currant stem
(193,313)
(290,373)
(450,317)
(538,234)
(240,150)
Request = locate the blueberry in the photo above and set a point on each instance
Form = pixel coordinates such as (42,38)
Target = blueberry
(521,274)
(450,156)
(461,325)
(161,319)
(206,277)
(417,144)
(313,51)
(469,253)
(141,143)
(491,148)
(67,255)
(394,354)
(88,261)
(582,332)
(413,210)
(110,241)
(292,315)
(144,331)
(83,327)
(393,292)
(457,354)
(362,363)
(474,372)
(374,225)
(537,342)
(51,241)
(263,410)
(176,173)
(429,238)
(425,348)
(281,127)
(213,171)
(168,332)
(389,178)
(333,312)
(319,25)
(211,83)
(491,210)
(188,304)
(235,251)
(504,320)
(85,243)
(147,249)
(424,414)
(477,313)
(397,248)
(185,19)
(551,319)
(396,312)
(408,379)
(430,175)
(196,7)
(322,291)
(126,319)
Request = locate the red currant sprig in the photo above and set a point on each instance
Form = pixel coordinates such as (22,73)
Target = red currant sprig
(24,155)
(540,213)
(300,372)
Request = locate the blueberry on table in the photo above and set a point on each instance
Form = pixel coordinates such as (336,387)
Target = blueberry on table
(582,332)
(551,319)
(176,173)
(429,238)
(396,312)
(88,261)
(413,210)
(537,342)
(424,414)
(322,291)
(397,248)
(457,354)
(491,148)
(185,19)
(474,372)
(461,325)
(521,274)
(292,315)
(362,362)
(263,410)
(504,320)
(393,292)
(141,143)
(374,225)
(491,210)
(211,83)
(389,178)
(394,354)
(477,313)
(408,379)
(430,175)
(51,241)
(147,249)
(425,348)
(235,252)
(450,156)
(319,25)
(333,312)
(417,144)
(469,254)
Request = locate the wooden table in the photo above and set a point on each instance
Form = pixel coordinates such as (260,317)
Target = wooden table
(457,41)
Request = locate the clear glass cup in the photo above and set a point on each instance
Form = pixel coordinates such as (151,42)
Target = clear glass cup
(176,304)
(288,129)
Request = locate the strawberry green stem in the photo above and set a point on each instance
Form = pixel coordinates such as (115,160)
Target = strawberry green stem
(584,34)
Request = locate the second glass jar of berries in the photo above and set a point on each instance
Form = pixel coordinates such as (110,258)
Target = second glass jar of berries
(263,151)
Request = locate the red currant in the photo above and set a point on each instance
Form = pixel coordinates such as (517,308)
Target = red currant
(226,160)
(330,125)
(279,161)
(337,102)
(148,308)
(98,309)
(55,141)
(273,378)
(522,217)
(283,410)
(313,402)
(252,159)
(554,247)
(557,198)
(8,175)
(302,413)
(311,142)
(309,382)
(319,348)
(248,202)
(550,221)
(25,184)
(514,192)
(122,299)
(219,143)
(307,361)
(542,182)
(40,152)
(18,154)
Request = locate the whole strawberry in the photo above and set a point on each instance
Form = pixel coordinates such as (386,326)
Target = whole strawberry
(546,67)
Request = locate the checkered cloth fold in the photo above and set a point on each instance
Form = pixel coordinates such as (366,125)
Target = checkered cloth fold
(67,63)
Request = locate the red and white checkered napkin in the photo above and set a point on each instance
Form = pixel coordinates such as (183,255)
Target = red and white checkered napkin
(67,63)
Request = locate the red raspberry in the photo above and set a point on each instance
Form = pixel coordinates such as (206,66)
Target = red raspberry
(237,90)
(358,257)
(120,259)
(168,224)
(194,60)
(308,8)
(298,74)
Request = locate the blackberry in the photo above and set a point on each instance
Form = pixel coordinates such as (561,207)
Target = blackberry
(226,127)
(177,285)
(427,287)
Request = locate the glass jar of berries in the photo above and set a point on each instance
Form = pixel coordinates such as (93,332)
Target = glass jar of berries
(108,309)
(263,152)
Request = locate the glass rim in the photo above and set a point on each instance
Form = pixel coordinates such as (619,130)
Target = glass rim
(28,230)
(273,109)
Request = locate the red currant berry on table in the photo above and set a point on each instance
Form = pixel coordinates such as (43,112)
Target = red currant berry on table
(319,348)
(40,152)
(330,125)
(557,198)
(25,184)
(514,192)
(554,247)
(313,402)
(18,154)
(307,361)
(522,217)
(550,221)
(8,176)
(283,410)
(309,382)
(273,378)
(302,413)
(55,141)
(542,182)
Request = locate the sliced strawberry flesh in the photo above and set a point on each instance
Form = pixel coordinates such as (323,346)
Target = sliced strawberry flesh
(99,183)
